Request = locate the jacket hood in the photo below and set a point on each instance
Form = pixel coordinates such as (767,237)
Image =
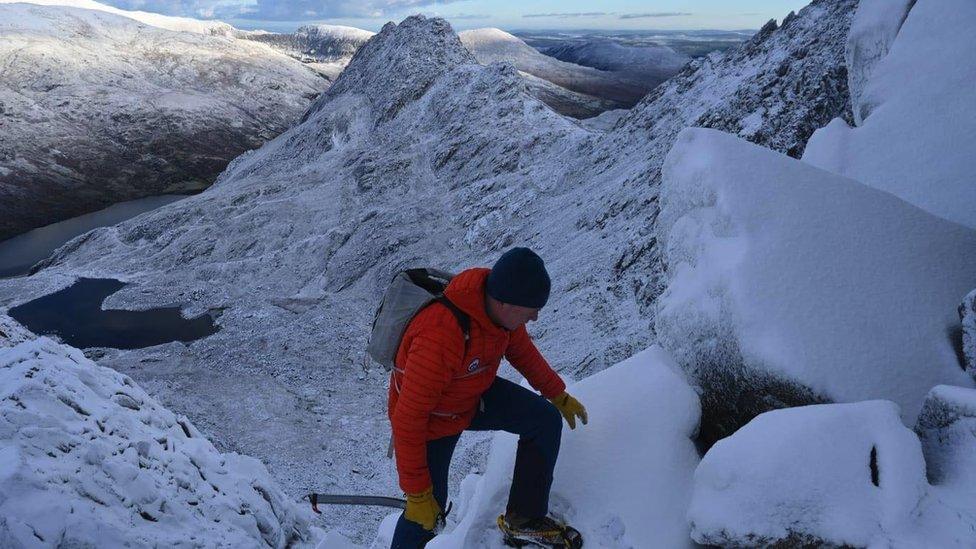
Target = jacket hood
(467,291)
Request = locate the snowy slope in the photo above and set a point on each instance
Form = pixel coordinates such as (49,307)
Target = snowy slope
(88,459)
(917,138)
(417,155)
(492,45)
(178,24)
(97,108)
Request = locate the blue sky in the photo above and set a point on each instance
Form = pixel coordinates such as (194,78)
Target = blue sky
(507,14)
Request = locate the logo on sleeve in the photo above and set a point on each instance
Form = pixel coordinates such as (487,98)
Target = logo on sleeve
(474,365)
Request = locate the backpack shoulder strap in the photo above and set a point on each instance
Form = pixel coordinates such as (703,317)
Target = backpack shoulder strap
(463,319)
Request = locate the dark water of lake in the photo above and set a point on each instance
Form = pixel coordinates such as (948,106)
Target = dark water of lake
(19,253)
(75,315)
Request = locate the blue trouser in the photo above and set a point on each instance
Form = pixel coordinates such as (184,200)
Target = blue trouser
(505,407)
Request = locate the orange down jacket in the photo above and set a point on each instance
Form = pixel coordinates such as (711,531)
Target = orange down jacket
(434,391)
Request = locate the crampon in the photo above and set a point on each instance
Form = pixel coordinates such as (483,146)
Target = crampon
(543,532)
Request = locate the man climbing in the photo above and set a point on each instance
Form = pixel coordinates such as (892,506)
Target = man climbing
(443,385)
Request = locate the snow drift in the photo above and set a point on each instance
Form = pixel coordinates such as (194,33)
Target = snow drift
(88,459)
(623,479)
(917,137)
(795,275)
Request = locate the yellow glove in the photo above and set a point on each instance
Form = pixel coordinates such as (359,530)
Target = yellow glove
(422,508)
(570,408)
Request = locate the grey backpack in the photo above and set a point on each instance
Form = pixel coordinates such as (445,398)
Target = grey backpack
(410,291)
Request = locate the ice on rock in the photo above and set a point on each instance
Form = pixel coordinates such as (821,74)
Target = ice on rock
(919,140)
(784,275)
(87,458)
(831,474)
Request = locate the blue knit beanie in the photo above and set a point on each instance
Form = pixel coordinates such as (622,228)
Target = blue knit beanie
(519,277)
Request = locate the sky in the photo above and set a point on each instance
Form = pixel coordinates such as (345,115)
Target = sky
(284,16)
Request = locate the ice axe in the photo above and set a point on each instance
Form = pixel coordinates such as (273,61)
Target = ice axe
(380,501)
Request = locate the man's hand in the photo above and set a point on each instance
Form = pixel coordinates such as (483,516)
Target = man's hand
(422,508)
(570,408)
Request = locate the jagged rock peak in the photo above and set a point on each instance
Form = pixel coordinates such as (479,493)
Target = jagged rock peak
(397,65)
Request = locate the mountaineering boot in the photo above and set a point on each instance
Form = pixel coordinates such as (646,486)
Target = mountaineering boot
(541,532)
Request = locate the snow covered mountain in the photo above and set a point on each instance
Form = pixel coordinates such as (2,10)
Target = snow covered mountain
(649,64)
(396,166)
(178,24)
(325,48)
(492,45)
(97,108)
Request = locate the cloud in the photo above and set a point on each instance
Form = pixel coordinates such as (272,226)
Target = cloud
(653,15)
(577,14)
(467,16)
(276,10)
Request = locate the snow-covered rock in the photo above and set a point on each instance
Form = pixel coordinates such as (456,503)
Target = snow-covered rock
(875,25)
(917,138)
(88,459)
(98,108)
(790,284)
(967,315)
(492,45)
(947,427)
(623,480)
(827,475)
(417,156)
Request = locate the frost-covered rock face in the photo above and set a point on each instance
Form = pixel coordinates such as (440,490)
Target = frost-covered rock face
(774,90)
(828,475)
(97,108)
(967,314)
(417,156)
(88,459)
(947,427)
